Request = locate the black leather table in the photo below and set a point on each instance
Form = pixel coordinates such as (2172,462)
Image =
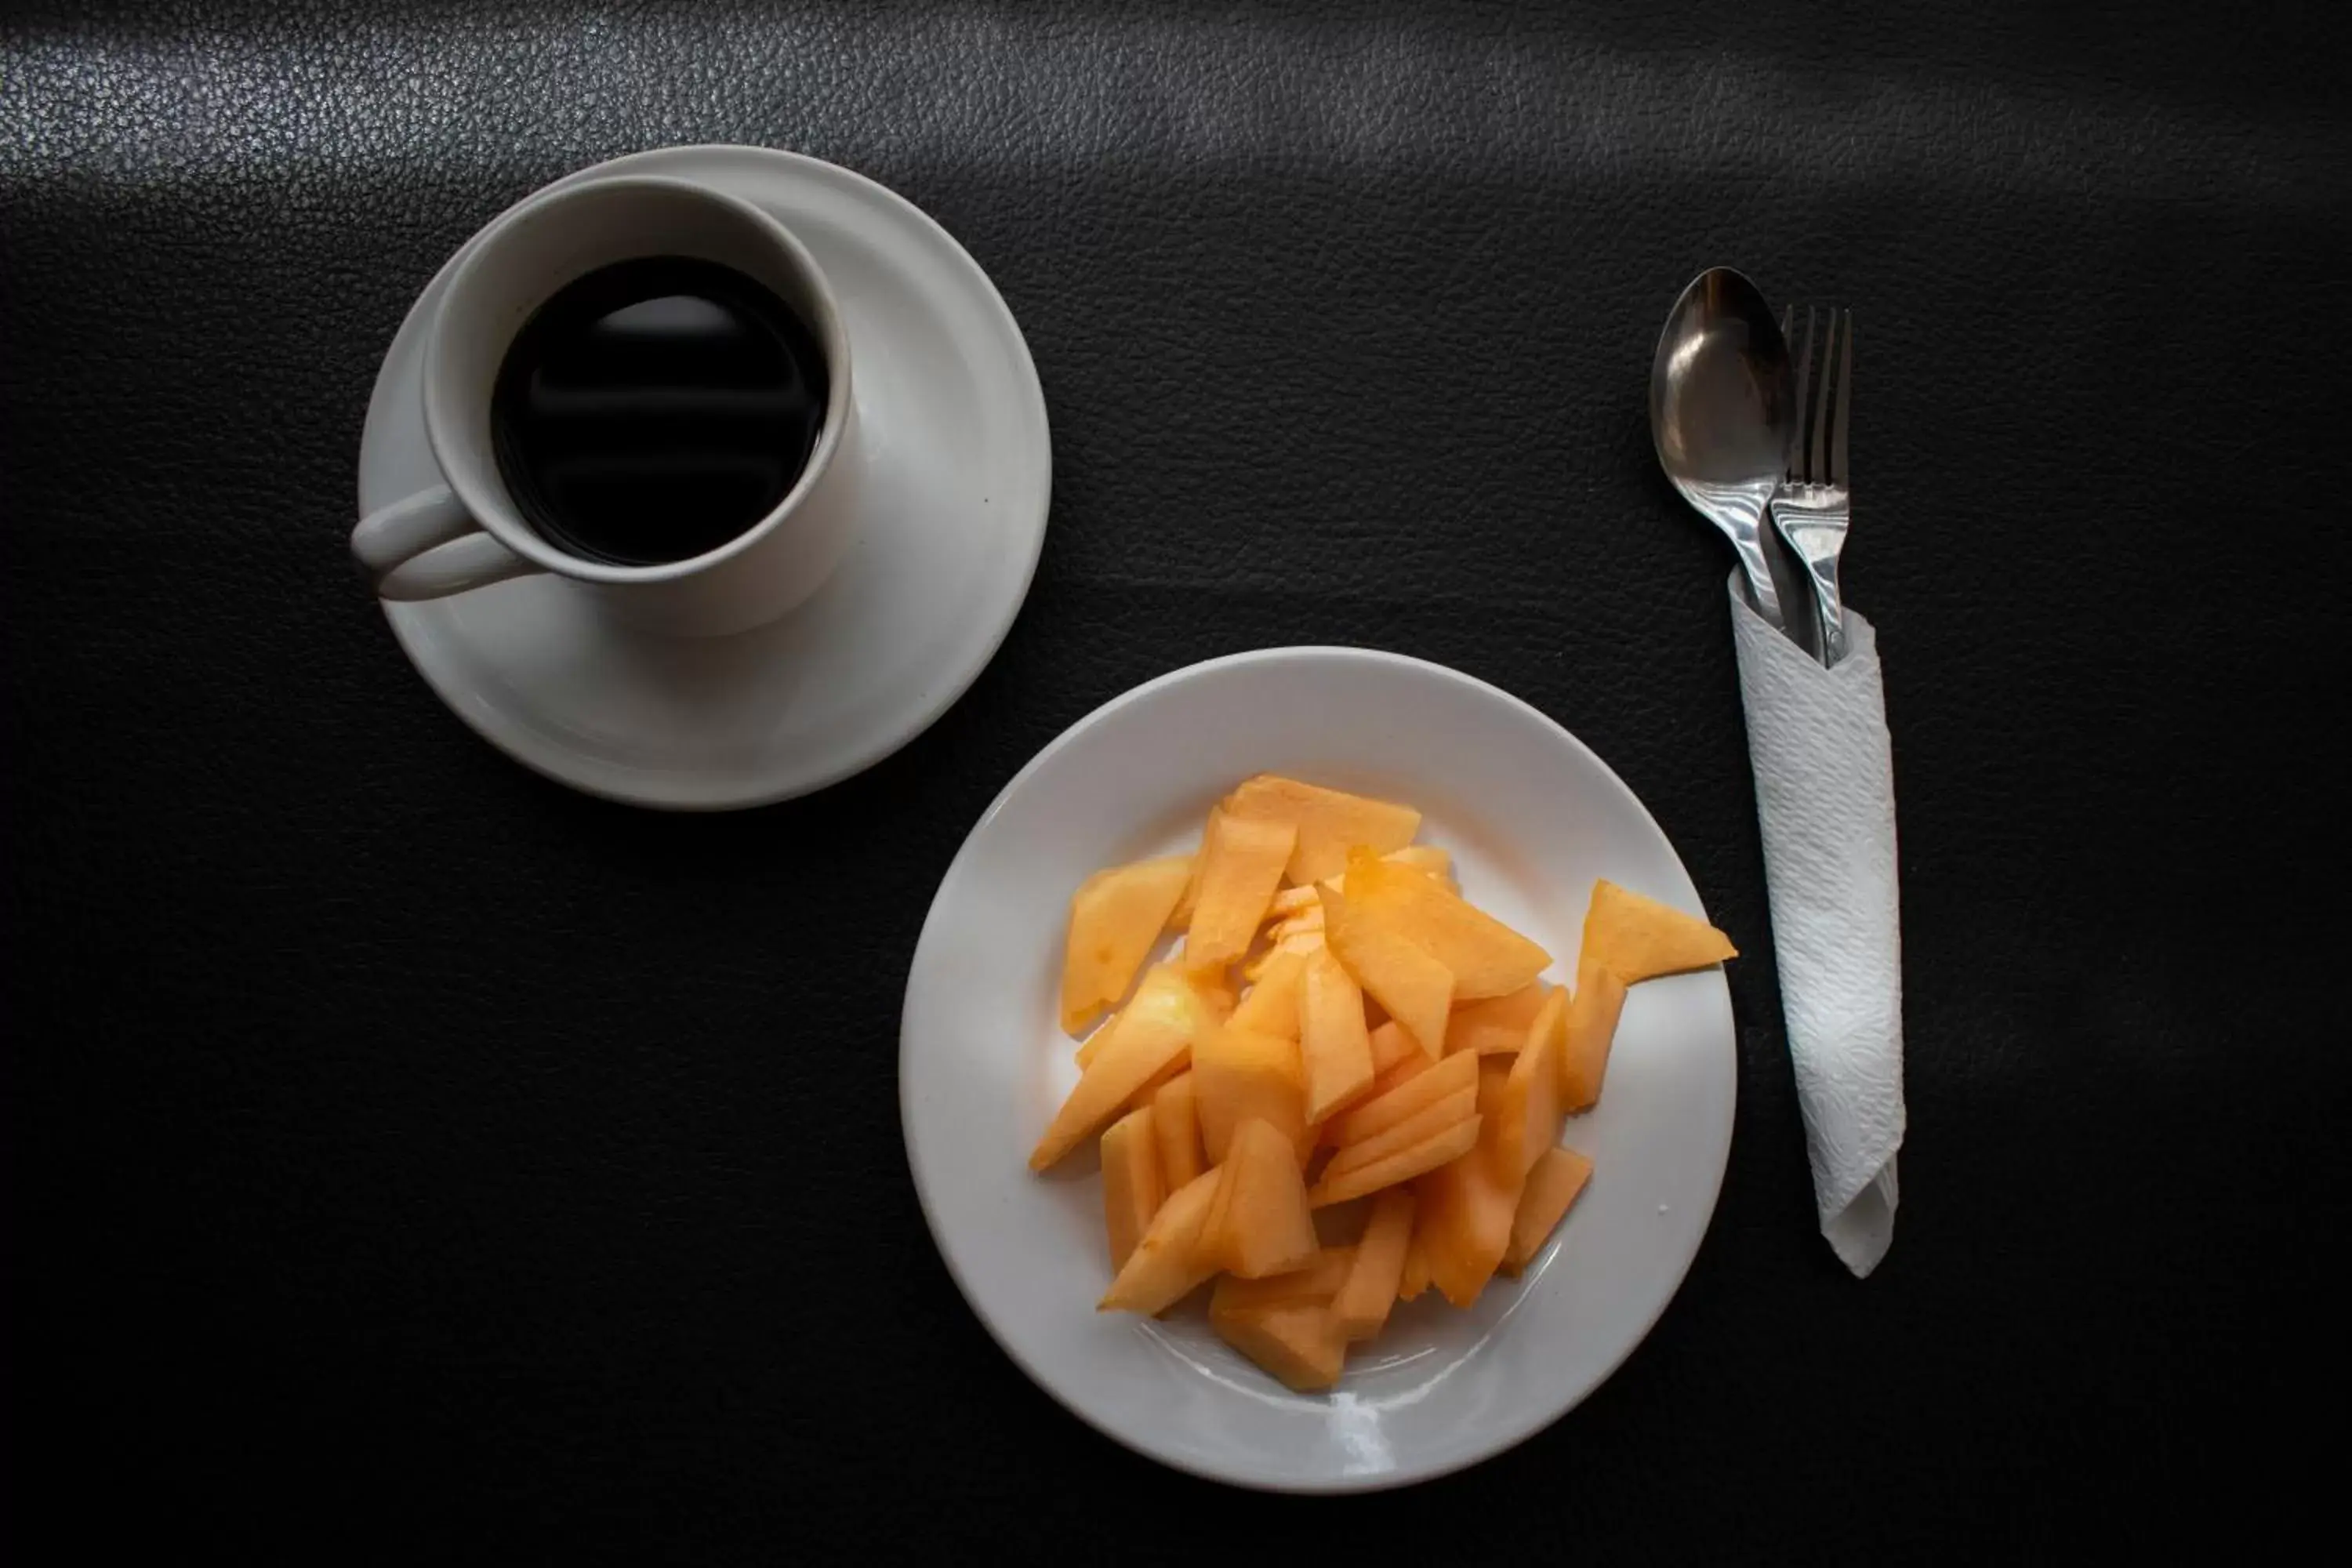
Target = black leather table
(398,1145)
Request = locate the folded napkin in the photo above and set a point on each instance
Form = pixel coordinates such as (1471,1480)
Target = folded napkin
(1825,801)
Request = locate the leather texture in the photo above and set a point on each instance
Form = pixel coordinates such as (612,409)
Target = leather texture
(403,1152)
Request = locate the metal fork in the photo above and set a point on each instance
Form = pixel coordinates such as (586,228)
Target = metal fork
(1810,507)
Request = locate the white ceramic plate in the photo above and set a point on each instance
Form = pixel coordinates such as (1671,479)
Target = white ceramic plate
(1532,818)
(957,471)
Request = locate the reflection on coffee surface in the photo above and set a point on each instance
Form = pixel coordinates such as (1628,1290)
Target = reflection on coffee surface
(655,409)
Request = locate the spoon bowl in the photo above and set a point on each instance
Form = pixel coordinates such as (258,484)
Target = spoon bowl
(1721,408)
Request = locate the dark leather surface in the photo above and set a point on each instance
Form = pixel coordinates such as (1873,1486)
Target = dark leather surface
(398,1144)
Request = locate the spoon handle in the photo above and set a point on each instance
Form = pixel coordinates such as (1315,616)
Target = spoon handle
(1759,587)
(1831,615)
(1740,514)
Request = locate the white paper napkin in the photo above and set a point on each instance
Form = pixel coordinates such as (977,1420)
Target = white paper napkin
(1825,801)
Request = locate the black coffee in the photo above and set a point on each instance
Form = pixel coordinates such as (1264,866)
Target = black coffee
(655,409)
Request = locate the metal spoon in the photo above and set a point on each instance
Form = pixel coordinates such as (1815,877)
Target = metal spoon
(1721,404)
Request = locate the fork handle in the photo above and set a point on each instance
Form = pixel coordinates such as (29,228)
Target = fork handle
(1813,527)
(1829,614)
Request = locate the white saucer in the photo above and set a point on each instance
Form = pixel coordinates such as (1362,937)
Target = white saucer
(1531,818)
(958,472)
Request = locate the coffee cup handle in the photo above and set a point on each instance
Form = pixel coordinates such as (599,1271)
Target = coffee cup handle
(427,546)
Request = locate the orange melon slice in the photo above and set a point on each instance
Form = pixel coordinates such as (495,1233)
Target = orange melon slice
(1496,1025)
(1163,1023)
(1303,941)
(1467,1204)
(1327,822)
(1313,1286)
(1486,957)
(1167,1264)
(1130,1180)
(1639,939)
(1414,989)
(1301,1346)
(1180,917)
(1530,1114)
(1306,922)
(1167,992)
(1432,1154)
(1240,1074)
(1116,918)
(1377,1267)
(1591,1027)
(1271,1006)
(1552,1186)
(1415,1276)
(1426,858)
(1259,1222)
(1415,1130)
(1418,1084)
(1241,866)
(1176,1131)
(1391,1044)
(1334,1046)
(1394,1058)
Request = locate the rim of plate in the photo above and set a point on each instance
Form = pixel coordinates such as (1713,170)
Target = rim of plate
(1507,1433)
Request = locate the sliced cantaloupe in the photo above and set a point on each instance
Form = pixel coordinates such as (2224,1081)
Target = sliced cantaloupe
(1426,858)
(1486,957)
(1116,918)
(1415,988)
(1552,1186)
(1158,1082)
(1180,917)
(1305,941)
(1591,1026)
(1327,822)
(1430,1154)
(1132,1190)
(1240,1074)
(1212,983)
(1496,1025)
(1302,1346)
(1167,1264)
(1530,1114)
(1377,1267)
(1259,1222)
(1639,939)
(1309,919)
(1416,1128)
(1176,1129)
(1166,994)
(1391,1044)
(1271,1006)
(1334,1046)
(1417,1086)
(1313,1286)
(1467,1204)
(1241,866)
(1156,1029)
(1414,1279)
(1385,1017)
(1394,1058)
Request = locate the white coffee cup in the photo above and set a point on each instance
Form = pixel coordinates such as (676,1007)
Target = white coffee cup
(466,532)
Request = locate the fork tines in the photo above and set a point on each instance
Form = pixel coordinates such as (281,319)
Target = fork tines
(1817,437)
